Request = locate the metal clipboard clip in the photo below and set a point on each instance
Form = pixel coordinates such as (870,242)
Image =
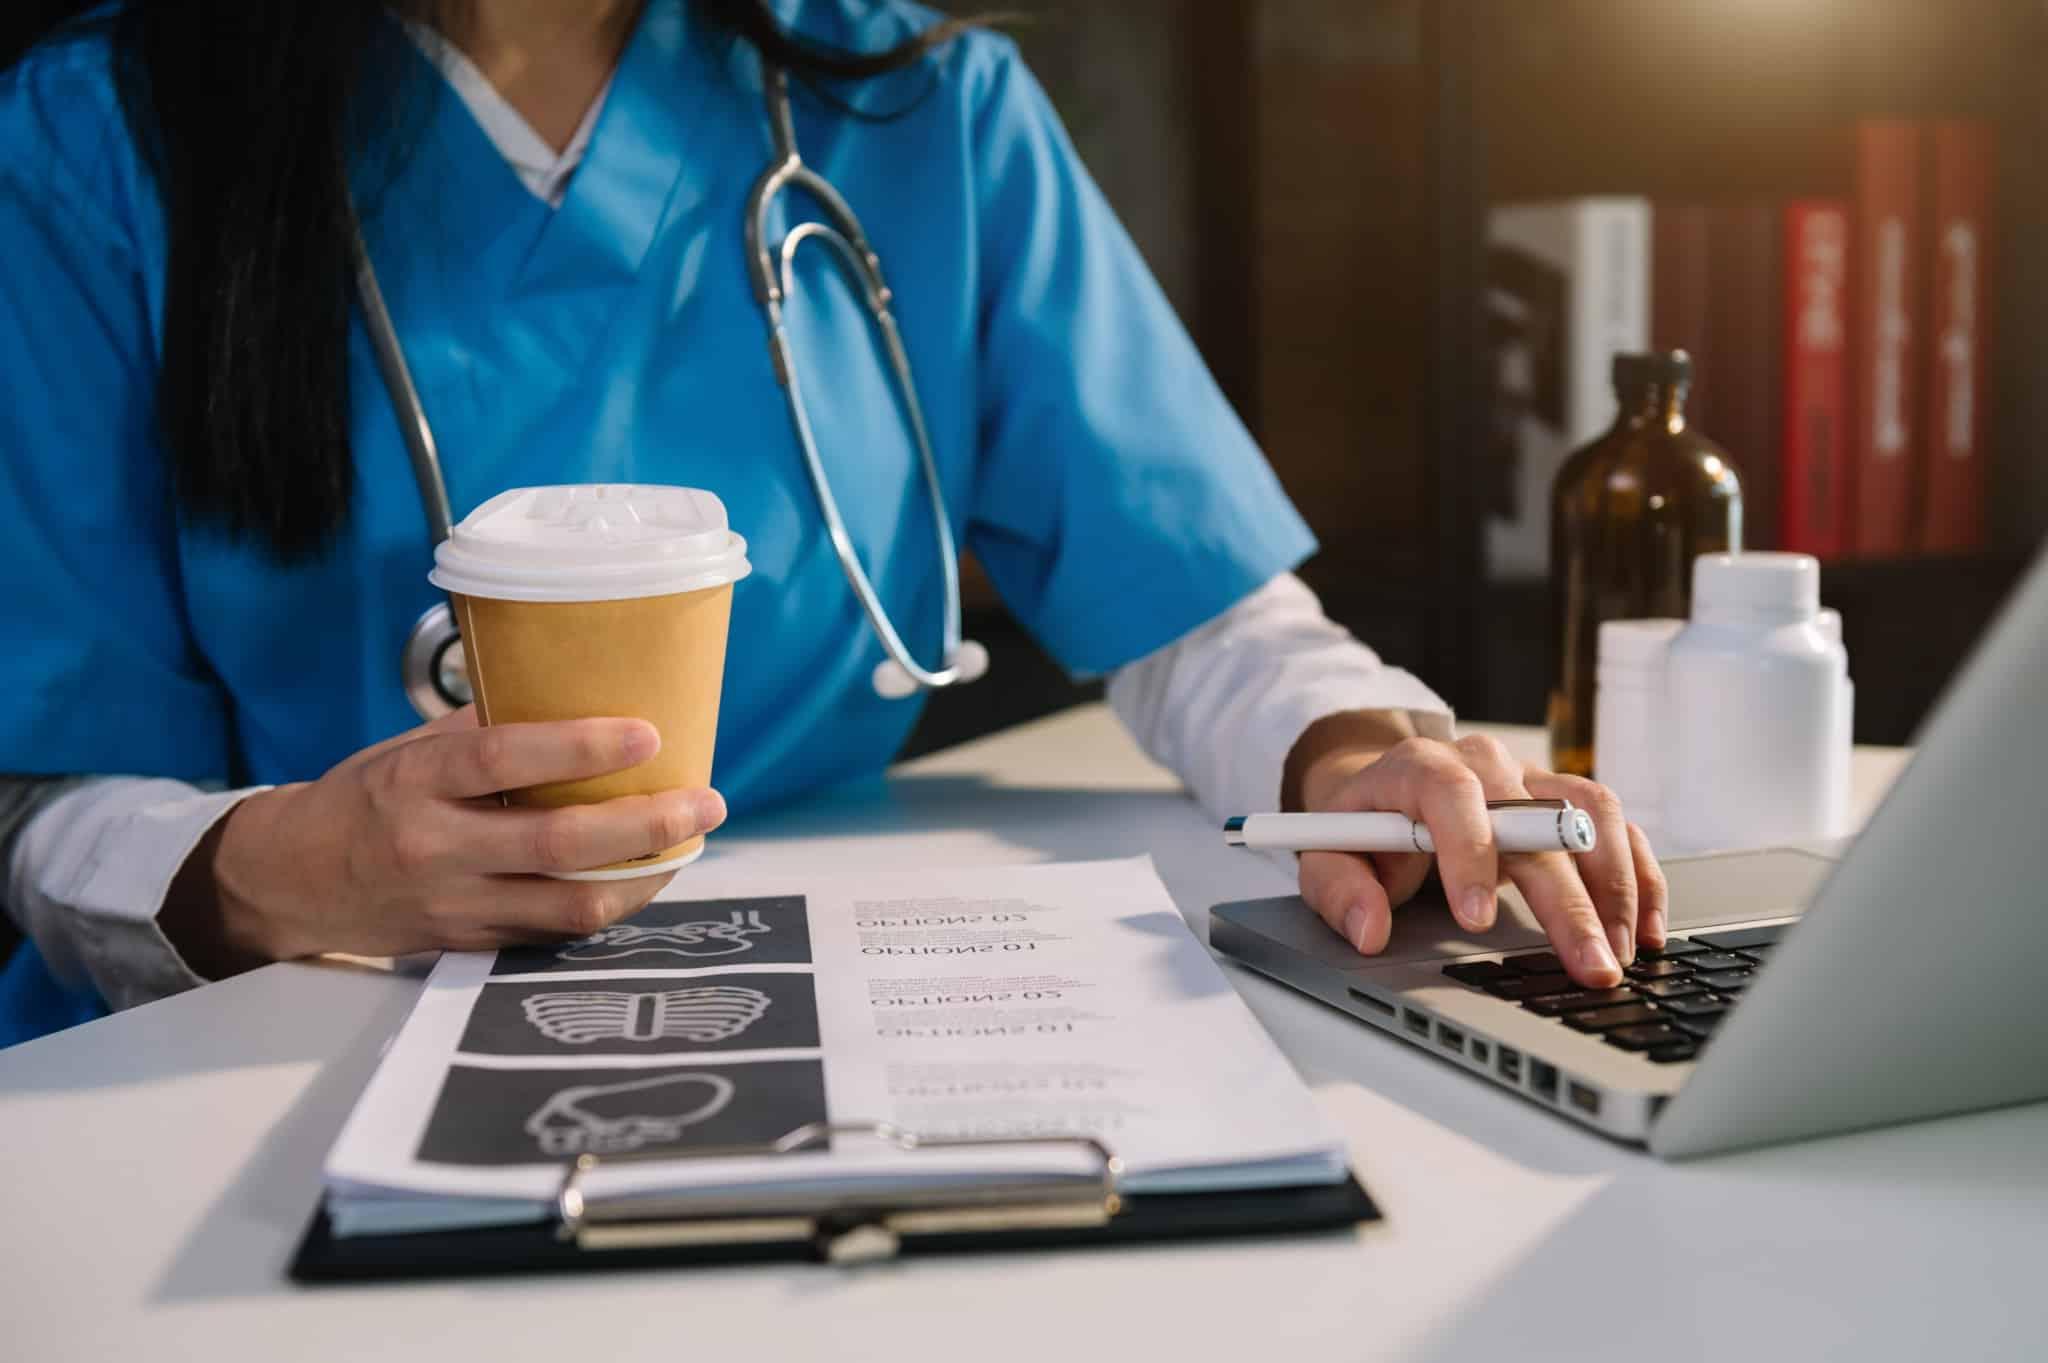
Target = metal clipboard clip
(848,1228)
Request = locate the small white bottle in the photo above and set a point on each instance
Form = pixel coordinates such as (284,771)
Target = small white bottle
(1845,740)
(1631,727)
(1756,690)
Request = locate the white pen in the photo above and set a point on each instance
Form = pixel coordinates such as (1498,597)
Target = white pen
(1518,826)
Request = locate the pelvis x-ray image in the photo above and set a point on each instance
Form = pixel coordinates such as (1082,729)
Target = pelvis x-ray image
(709,937)
(708,1013)
(531,1116)
(679,936)
(613,1119)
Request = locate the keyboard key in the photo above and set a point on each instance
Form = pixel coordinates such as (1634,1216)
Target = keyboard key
(1757,954)
(1718,960)
(1671,950)
(1644,1036)
(1577,1001)
(1696,1006)
(1727,981)
(1741,939)
(1657,970)
(1535,963)
(1671,1052)
(1677,987)
(1531,986)
(1700,1027)
(1601,1019)
(1478,973)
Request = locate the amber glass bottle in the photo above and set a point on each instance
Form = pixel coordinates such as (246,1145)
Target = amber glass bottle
(1628,515)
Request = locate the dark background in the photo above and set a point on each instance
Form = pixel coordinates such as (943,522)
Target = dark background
(1310,178)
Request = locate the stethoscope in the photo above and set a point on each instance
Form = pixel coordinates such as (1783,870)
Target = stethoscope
(432,666)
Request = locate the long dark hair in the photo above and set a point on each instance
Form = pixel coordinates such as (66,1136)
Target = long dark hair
(248,114)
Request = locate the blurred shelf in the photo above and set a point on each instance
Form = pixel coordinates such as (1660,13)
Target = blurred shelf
(1707,98)
(1311,178)
(1908,624)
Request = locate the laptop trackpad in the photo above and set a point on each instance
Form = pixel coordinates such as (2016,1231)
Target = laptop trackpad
(1732,886)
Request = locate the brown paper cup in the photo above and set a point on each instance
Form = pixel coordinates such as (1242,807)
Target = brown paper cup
(657,658)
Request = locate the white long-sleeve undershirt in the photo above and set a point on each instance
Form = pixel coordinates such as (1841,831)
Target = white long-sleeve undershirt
(1220,707)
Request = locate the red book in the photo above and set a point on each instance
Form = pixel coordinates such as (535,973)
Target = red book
(1715,291)
(1813,498)
(1743,364)
(1959,315)
(1885,307)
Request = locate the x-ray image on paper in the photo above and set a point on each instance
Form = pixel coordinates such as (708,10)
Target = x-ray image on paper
(679,936)
(627,1015)
(550,1116)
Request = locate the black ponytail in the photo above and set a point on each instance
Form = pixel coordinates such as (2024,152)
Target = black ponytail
(247,114)
(252,398)
(755,22)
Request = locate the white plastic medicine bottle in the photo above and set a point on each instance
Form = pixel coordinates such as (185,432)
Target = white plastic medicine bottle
(1757,690)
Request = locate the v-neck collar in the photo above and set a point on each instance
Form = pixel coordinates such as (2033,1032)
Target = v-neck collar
(639,154)
(453,188)
(543,170)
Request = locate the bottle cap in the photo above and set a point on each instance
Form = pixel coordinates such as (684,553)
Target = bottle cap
(1637,371)
(1756,586)
(1636,643)
(590,542)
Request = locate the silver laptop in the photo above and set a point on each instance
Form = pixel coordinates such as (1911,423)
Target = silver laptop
(1799,996)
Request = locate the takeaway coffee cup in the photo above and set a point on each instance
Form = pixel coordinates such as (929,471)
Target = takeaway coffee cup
(600,600)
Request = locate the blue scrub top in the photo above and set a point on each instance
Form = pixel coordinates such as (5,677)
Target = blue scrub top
(1087,457)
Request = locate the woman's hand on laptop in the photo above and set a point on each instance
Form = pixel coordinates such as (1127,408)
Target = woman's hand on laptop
(1595,908)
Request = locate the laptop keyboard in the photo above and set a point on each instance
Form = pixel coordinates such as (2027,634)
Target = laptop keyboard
(1669,1000)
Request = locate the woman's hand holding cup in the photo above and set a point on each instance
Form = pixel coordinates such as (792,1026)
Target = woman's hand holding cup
(406,847)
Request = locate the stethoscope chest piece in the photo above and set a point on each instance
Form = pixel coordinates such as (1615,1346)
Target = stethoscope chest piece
(435,666)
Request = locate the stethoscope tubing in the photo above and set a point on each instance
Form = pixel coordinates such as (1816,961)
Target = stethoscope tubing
(430,663)
(420,445)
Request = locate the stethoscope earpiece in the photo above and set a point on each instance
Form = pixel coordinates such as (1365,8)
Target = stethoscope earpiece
(892,681)
(969,662)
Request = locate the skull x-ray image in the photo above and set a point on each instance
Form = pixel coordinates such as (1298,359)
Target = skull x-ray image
(679,936)
(617,1119)
(653,1015)
(531,1116)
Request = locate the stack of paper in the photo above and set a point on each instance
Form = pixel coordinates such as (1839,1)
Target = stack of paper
(1046,1000)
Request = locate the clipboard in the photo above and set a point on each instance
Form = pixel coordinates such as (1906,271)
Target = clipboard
(712,1226)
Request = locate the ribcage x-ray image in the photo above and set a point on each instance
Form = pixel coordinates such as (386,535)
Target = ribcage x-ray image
(645,1015)
(679,936)
(530,1116)
(579,1017)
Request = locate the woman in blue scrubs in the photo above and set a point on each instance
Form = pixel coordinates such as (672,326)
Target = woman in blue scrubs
(213,543)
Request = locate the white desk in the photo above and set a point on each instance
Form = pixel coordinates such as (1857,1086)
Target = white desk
(160,1165)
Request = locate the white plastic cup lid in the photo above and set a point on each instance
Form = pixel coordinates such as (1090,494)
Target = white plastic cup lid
(1636,643)
(1756,584)
(591,542)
